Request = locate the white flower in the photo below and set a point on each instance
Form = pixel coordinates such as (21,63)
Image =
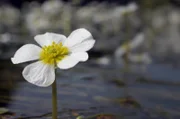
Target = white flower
(57,51)
(135,43)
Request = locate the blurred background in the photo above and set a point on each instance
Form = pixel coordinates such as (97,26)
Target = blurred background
(133,70)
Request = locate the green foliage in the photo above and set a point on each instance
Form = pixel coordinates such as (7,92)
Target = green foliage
(3,110)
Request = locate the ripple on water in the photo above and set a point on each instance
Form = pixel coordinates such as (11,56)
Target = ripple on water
(89,91)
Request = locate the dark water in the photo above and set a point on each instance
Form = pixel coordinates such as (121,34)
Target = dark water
(88,90)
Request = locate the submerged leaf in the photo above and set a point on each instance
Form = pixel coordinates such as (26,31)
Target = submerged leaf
(129,101)
(80,117)
(3,110)
(105,116)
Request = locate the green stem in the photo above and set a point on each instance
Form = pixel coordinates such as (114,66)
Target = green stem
(126,60)
(54,100)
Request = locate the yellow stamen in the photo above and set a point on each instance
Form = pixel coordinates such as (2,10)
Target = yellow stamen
(54,53)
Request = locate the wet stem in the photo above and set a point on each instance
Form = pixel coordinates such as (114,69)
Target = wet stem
(54,100)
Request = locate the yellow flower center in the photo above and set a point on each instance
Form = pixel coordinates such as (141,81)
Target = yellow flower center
(54,53)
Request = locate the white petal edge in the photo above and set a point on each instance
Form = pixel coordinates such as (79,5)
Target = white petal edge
(71,60)
(83,47)
(39,74)
(47,38)
(26,53)
(81,56)
(77,36)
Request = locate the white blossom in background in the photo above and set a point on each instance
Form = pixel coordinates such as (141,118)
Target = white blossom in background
(52,7)
(167,44)
(129,47)
(174,17)
(86,12)
(36,21)
(66,19)
(130,8)
(159,18)
(106,22)
(5,38)
(84,16)
(9,16)
(133,44)
(47,16)
(57,52)
(174,31)
(104,60)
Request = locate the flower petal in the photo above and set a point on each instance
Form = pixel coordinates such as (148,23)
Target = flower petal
(81,56)
(77,36)
(83,47)
(39,74)
(71,60)
(26,53)
(47,38)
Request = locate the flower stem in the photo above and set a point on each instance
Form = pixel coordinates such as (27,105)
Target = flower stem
(54,100)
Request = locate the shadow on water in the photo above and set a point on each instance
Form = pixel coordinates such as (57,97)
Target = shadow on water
(89,91)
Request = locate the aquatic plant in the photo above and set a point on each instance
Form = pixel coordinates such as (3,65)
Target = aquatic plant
(57,52)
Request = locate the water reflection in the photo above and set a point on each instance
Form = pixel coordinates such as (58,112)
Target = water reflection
(88,93)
